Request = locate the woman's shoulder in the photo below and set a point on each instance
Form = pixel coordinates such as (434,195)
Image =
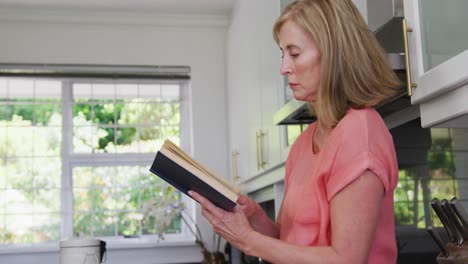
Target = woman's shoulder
(362,126)
(367,114)
(361,120)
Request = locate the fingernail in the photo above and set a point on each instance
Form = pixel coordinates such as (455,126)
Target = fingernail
(190,193)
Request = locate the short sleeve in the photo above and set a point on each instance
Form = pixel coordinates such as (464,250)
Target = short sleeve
(354,168)
(364,143)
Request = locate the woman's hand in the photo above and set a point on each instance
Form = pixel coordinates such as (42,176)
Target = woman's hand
(250,207)
(232,226)
(258,219)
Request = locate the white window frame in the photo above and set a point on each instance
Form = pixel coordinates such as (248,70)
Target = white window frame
(71,160)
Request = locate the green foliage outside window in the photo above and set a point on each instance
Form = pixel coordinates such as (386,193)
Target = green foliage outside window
(411,202)
(107,200)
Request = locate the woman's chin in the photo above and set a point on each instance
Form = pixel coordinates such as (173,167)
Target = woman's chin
(302,98)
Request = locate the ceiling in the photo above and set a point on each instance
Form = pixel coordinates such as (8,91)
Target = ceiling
(194,7)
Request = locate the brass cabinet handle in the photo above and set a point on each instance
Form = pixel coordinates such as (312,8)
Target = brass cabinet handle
(260,162)
(234,172)
(409,84)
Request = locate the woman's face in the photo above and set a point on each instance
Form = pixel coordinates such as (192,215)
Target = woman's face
(301,61)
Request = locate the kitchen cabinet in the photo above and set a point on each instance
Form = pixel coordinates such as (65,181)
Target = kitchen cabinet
(254,88)
(438,55)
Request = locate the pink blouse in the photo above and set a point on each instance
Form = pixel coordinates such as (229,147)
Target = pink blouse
(359,142)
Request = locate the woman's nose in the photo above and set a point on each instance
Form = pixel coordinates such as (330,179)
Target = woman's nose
(285,68)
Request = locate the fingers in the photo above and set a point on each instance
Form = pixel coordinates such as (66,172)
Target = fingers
(205,203)
(232,226)
(207,208)
(238,209)
(214,220)
(241,199)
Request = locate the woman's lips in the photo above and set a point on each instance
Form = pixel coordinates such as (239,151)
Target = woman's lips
(293,85)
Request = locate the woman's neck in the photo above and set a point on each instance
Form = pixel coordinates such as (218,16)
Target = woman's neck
(320,136)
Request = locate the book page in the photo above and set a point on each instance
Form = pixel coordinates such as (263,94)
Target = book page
(169,145)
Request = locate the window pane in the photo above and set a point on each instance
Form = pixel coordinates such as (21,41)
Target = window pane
(149,225)
(45,227)
(127,199)
(82,200)
(442,188)
(47,114)
(82,112)
(19,173)
(18,201)
(86,138)
(19,141)
(82,91)
(107,202)
(129,114)
(48,90)
(46,201)
(103,91)
(46,141)
(3,87)
(170,92)
(128,176)
(18,228)
(126,140)
(3,173)
(129,224)
(170,114)
(150,92)
(106,142)
(21,88)
(151,139)
(441,176)
(82,224)
(2,204)
(126,91)
(104,114)
(83,177)
(121,193)
(148,114)
(403,213)
(6,113)
(104,224)
(103,176)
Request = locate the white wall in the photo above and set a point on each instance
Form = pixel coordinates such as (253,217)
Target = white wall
(128,39)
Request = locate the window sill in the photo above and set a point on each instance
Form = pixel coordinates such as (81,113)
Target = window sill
(112,244)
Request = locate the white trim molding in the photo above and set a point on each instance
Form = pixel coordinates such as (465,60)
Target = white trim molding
(112,18)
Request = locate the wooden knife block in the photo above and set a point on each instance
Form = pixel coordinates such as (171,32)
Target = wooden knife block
(457,254)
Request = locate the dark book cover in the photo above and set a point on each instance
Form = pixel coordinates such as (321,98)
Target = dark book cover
(184,181)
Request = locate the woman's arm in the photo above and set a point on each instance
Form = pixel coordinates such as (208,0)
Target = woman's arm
(354,216)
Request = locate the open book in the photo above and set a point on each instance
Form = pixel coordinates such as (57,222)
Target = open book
(184,173)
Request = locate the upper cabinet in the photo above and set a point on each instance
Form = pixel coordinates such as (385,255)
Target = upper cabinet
(254,88)
(437,43)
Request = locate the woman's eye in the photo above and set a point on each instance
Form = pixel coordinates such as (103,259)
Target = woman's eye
(294,55)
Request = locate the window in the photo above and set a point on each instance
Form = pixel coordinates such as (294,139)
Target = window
(432,165)
(75,154)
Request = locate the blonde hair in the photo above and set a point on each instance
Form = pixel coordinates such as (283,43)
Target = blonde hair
(354,70)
